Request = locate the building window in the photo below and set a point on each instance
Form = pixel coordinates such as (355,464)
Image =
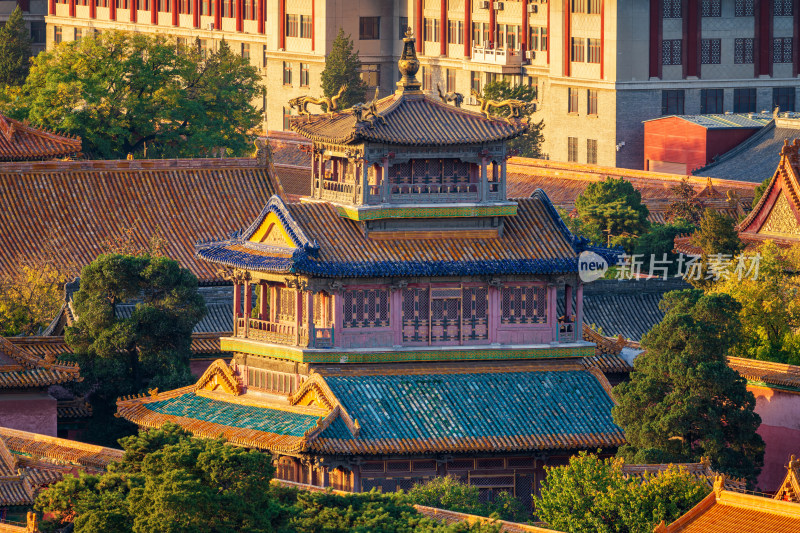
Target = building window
(591,102)
(78,34)
(371,74)
(249,9)
(572,100)
(246,51)
(523,304)
(303,74)
(451,80)
(744,8)
(205,7)
(403,27)
(743,51)
(475,81)
(578,49)
(744,100)
(365,308)
(369,28)
(782,8)
(57,34)
(593,7)
(287,73)
(672,9)
(533,38)
(164,7)
(591,151)
(426,79)
(578,6)
(782,50)
(711,101)
(38,30)
(287,114)
(594,50)
(292,24)
(305,26)
(711,8)
(544,41)
(431,30)
(572,149)
(455,31)
(710,51)
(672,102)
(783,98)
(671,50)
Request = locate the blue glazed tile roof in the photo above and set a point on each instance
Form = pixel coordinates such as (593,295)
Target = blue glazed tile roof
(235,415)
(535,241)
(504,410)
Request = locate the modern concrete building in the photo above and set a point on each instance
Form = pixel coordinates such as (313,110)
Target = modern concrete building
(33,11)
(601,67)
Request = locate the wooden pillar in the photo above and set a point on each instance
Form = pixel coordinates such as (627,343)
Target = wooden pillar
(281,24)
(175,12)
(273,300)
(444,33)
(196,10)
(567,302)
(656,14)
(501,187)
(248,306)
(495,313)
(579,312)
(217,14)
(467,29)
(385,180)
(310,319)
(236,306)
(298,315)
(326,479)
(419,30)
(239,15)
(396,314)
(552,310)
(260,14)
(484,179)
(263,301)
(356,470)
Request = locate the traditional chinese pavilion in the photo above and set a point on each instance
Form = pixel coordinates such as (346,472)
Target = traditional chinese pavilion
(21,142)
(401,322)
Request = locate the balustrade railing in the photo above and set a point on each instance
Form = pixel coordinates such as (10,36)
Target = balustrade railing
(275,332)
(434,193)
(496,56)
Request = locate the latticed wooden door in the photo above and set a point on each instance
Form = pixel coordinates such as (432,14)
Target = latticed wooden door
(475,309)
(445,315)
(416,313)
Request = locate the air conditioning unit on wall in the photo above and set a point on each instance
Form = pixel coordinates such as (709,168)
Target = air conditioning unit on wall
(485,5)
(533,8)
(530,54)
(498,6)
(210,25)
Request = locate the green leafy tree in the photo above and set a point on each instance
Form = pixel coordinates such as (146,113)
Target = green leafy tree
(128,355)
(683,402)
(343,68)
(15,50)
(660,241)
(143,94)
(450,493)
(592,495)
(758,192)
(611,211)
(685,206)
(718,240)
(529,144)
(770,305)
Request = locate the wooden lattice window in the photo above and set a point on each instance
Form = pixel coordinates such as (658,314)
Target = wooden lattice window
(323,309)
(475,306)
(287,304)
(366,308)
(524,305)
(416,313)
(446,315)
(400,173)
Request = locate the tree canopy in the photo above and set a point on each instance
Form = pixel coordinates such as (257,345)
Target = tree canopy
(592,495)
(770,306)
(448,492)
(144,95)
(170,482)
(686,206)
(716,237)
(15,50)
(683,402)
(343,67)
(611,211)
(150,348)
(529,144)
(660,241)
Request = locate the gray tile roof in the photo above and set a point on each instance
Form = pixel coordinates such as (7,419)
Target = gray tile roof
(756,158)
(628,308)
(714,122)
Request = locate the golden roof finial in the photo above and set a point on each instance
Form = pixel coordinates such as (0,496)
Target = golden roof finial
(409,65)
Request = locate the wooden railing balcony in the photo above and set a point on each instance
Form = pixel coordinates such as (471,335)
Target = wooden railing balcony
(468,192)
(283,333)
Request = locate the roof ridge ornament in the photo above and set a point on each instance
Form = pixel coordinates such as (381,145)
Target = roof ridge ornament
(409,66)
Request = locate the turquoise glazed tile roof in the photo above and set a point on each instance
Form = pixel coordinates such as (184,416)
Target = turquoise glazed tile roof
(491,411)
(235,415)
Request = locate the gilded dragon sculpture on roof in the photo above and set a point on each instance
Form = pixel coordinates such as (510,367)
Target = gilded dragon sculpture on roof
(331,103)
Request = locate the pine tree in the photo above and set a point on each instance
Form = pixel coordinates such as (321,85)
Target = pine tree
(15,50)
(612,211)
(343,67)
